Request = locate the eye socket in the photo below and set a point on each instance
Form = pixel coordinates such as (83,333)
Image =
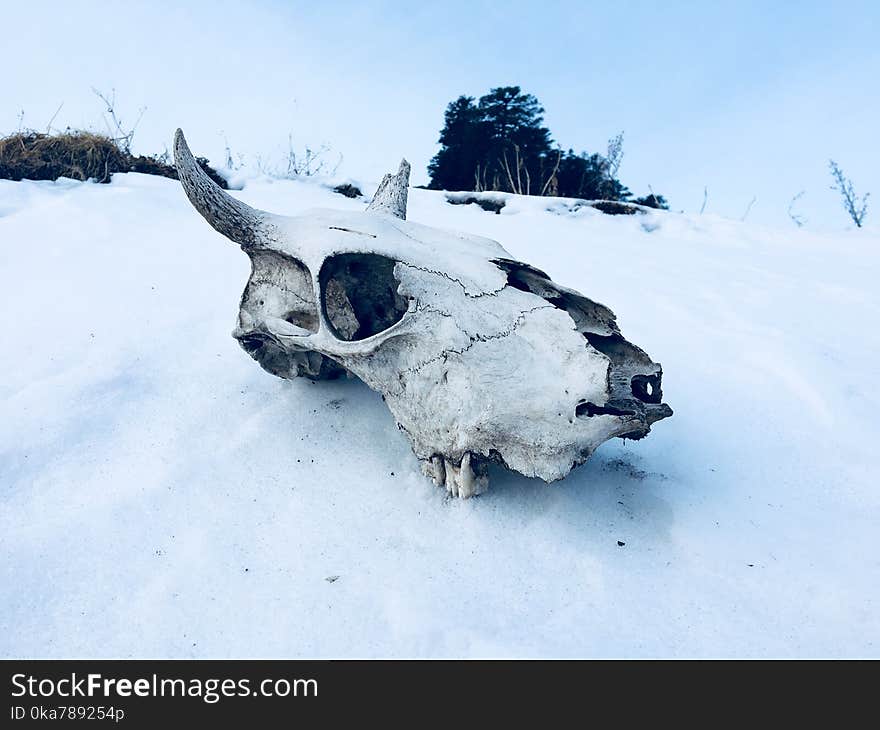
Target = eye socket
(359,295)
(280,287)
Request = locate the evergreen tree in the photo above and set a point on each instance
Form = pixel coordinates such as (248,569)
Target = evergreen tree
(464,145)
(587,176)
(519,145)
(500,143)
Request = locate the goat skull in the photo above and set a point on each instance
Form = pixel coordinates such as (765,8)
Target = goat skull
(479,357)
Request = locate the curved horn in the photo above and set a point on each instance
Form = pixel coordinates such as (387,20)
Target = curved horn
(391,194)
(229,216)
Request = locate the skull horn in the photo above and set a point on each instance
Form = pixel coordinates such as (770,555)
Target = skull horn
(237,221)
(391,194)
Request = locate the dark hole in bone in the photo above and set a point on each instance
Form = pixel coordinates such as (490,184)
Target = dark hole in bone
(267,352)
(612,346)
(626,357)
(628,363)
(275,359)
(591,409)
(296,317)
(359,295)
(252,342)
(281,287)
(588,316)
(528,279)
(647,388)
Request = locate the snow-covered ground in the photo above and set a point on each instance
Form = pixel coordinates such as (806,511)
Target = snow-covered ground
(161,495)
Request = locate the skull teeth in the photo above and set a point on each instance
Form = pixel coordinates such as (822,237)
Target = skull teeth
(438,470)
(467,485)
(452,478)
(459,480)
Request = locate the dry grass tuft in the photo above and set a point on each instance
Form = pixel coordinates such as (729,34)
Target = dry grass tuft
(79,155)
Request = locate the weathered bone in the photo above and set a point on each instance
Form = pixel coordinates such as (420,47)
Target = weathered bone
(236,220)
(391,195)
(479,357)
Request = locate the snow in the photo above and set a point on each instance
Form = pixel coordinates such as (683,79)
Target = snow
(164,496)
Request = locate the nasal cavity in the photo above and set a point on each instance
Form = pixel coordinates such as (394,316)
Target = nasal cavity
(647,388)
(588,410)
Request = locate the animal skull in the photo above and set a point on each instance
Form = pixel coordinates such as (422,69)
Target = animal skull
(479,357)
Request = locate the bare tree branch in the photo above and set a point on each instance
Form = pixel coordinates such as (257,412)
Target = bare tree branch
(798,220)
(615,155)
(856,207)
(518,168)
(117,131)
(49,125)
(555,170)
(506,166)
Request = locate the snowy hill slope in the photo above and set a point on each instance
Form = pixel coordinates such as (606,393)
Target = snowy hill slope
(161,495)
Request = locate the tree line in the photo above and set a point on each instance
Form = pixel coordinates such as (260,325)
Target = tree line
(499,142)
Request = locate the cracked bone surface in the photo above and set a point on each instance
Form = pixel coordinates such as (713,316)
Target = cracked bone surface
(479,357)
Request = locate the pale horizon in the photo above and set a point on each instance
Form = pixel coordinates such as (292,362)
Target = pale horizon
(745,101)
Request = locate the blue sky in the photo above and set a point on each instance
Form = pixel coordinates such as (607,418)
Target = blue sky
(747,99)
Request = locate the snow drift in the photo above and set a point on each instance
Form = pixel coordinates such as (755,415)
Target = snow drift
(161,496)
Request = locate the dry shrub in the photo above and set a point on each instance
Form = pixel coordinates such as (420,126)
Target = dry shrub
(617,207)
(78,155)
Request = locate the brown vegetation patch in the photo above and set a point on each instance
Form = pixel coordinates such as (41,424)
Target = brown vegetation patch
(78,155)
